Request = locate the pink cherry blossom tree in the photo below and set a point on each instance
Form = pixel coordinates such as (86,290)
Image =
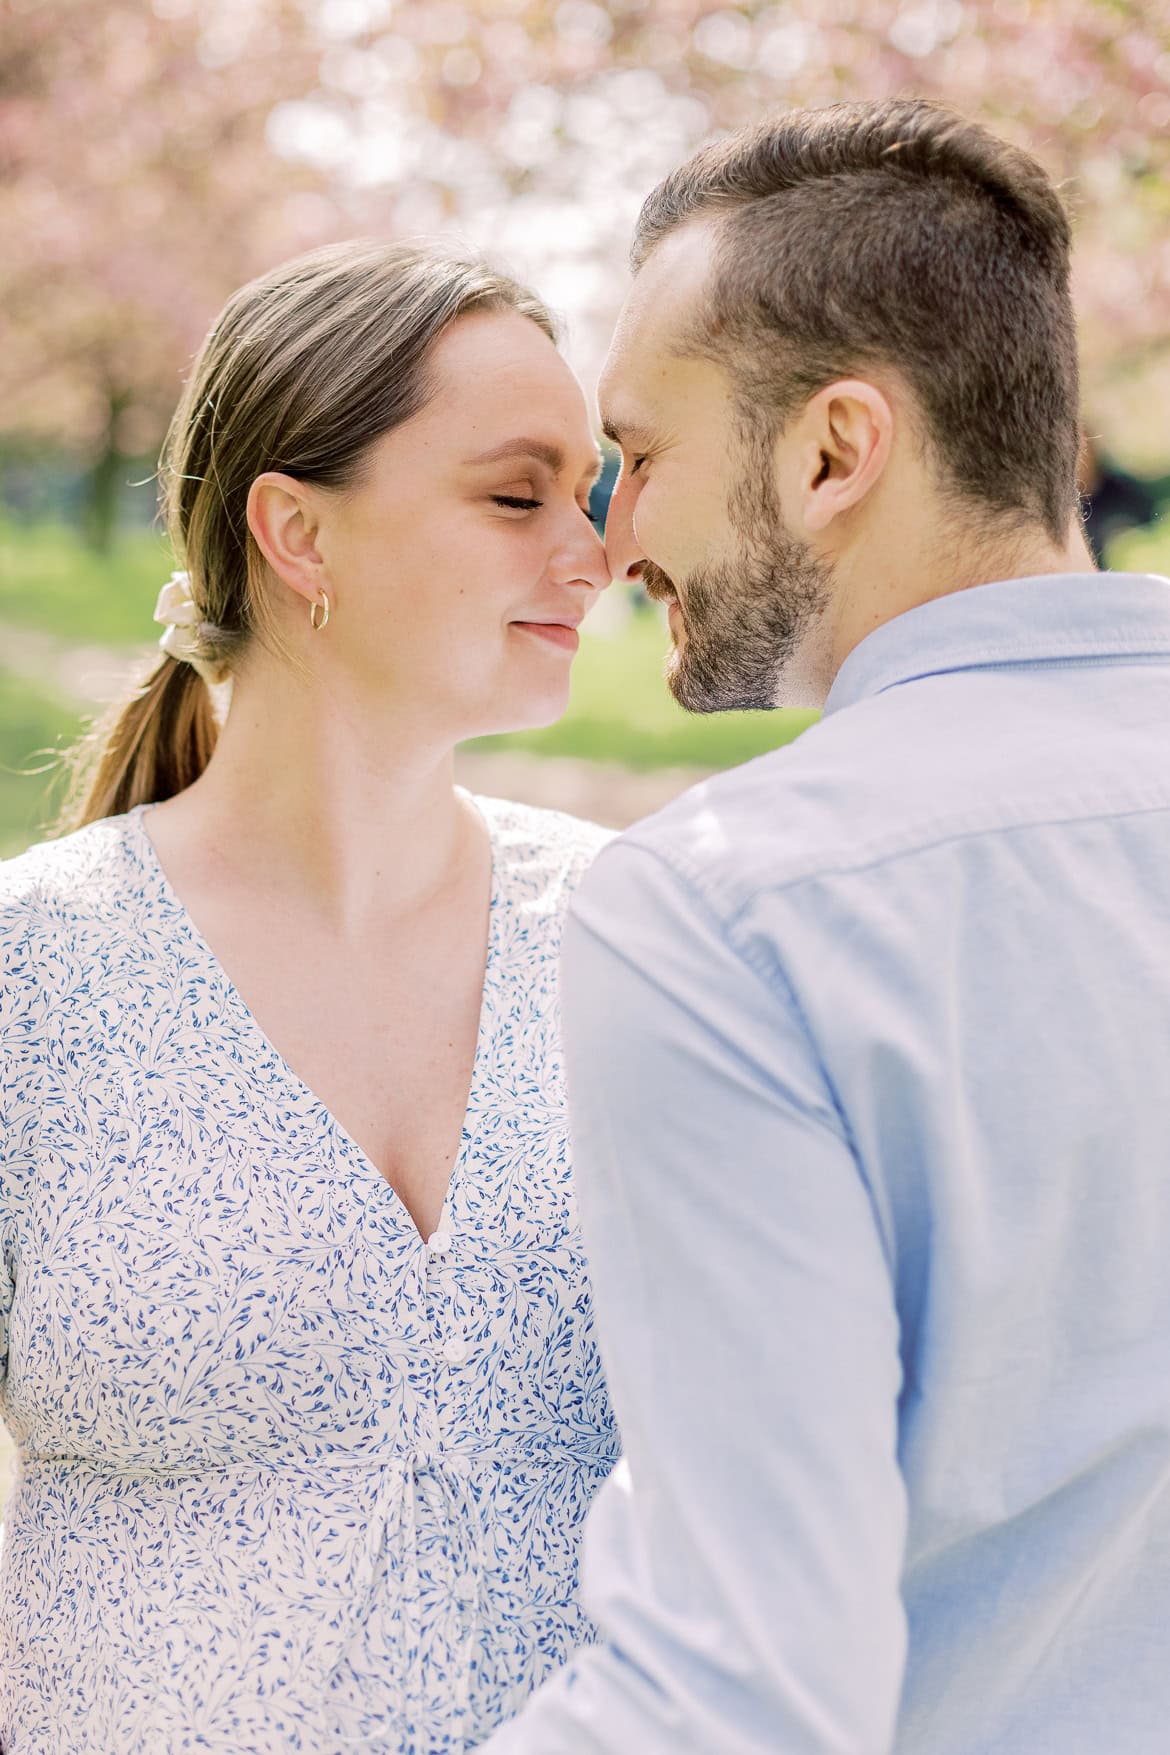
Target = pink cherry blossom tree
(136,189)
(538,127)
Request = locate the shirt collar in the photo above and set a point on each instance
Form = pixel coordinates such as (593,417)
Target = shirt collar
(1013,621)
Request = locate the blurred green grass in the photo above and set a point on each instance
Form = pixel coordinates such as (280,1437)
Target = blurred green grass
(35,725)
(50,581)
(1143,551)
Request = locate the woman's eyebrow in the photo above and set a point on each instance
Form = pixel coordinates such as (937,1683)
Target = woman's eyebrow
(550,455)
(539,450)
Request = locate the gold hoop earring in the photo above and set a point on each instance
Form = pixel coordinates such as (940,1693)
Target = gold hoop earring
(313,608)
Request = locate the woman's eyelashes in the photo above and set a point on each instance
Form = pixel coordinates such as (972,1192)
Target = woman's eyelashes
(518,503)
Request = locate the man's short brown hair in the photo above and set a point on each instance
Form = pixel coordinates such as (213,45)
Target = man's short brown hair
(897,233)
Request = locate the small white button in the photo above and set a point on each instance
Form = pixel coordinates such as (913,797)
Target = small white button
(455,1349)
(439,1243)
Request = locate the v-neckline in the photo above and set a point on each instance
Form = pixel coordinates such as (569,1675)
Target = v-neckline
(299,1087)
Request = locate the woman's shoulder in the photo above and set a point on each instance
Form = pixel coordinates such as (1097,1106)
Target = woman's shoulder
(549,846)
(56,885)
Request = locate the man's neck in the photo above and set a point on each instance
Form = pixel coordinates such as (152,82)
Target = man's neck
(914,573)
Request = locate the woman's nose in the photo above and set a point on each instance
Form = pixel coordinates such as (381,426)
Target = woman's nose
(623,555)
(584,557)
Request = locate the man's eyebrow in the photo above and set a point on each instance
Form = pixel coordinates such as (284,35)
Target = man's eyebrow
(550,455)
(626,433)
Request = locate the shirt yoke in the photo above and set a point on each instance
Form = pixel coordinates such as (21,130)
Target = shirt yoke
(939,759)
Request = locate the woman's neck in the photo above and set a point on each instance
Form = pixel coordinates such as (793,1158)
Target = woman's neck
(353,815)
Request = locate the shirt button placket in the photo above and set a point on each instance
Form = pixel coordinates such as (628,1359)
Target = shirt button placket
(435,1249)
(451,1340)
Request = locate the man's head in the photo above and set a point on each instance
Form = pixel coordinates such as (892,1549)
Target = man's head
(848,353)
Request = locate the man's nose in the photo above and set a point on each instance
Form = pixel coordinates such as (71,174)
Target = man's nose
(621,543)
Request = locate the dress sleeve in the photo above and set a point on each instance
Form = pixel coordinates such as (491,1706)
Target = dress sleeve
(19,1108)
(743,1563)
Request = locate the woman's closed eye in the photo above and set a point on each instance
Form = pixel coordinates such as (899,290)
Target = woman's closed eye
(521,503)
(515,503)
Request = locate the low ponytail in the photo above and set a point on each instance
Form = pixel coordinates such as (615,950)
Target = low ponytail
(144,749)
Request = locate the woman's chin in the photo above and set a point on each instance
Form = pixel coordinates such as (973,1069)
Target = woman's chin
(537,714)
(530,710)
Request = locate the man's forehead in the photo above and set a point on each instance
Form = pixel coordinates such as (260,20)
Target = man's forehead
(659,311)
(670,284)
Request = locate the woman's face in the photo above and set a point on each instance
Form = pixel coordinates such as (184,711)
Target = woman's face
(463,560)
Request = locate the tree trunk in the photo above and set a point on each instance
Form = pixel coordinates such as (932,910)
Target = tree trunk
(105,481)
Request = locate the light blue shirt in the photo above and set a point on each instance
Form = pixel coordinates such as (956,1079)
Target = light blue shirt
(869,1063)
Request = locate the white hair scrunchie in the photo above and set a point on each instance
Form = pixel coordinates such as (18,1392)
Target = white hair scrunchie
(181,621)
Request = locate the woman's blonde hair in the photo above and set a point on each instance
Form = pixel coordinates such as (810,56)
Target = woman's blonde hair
(304,369)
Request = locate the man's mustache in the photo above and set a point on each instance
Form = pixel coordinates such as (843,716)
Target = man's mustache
(656,583)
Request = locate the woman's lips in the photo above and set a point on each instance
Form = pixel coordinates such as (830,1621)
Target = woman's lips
(557,633)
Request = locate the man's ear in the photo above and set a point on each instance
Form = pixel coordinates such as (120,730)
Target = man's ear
(282,517)
(840,446)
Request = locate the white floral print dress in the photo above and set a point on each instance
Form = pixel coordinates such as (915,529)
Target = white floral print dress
(290,1478)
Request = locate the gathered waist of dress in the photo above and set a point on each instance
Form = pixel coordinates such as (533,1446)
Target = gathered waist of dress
(599,1454)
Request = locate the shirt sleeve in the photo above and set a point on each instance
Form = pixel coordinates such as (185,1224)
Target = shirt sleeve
(743,1562)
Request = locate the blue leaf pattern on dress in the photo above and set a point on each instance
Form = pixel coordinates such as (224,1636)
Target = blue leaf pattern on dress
(290,1478)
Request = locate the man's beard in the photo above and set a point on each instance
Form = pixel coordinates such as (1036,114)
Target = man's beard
(743,618)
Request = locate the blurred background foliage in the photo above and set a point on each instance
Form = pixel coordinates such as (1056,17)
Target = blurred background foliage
(153,156)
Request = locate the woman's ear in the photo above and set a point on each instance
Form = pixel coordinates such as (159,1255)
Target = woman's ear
(283,520)
(844,438)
